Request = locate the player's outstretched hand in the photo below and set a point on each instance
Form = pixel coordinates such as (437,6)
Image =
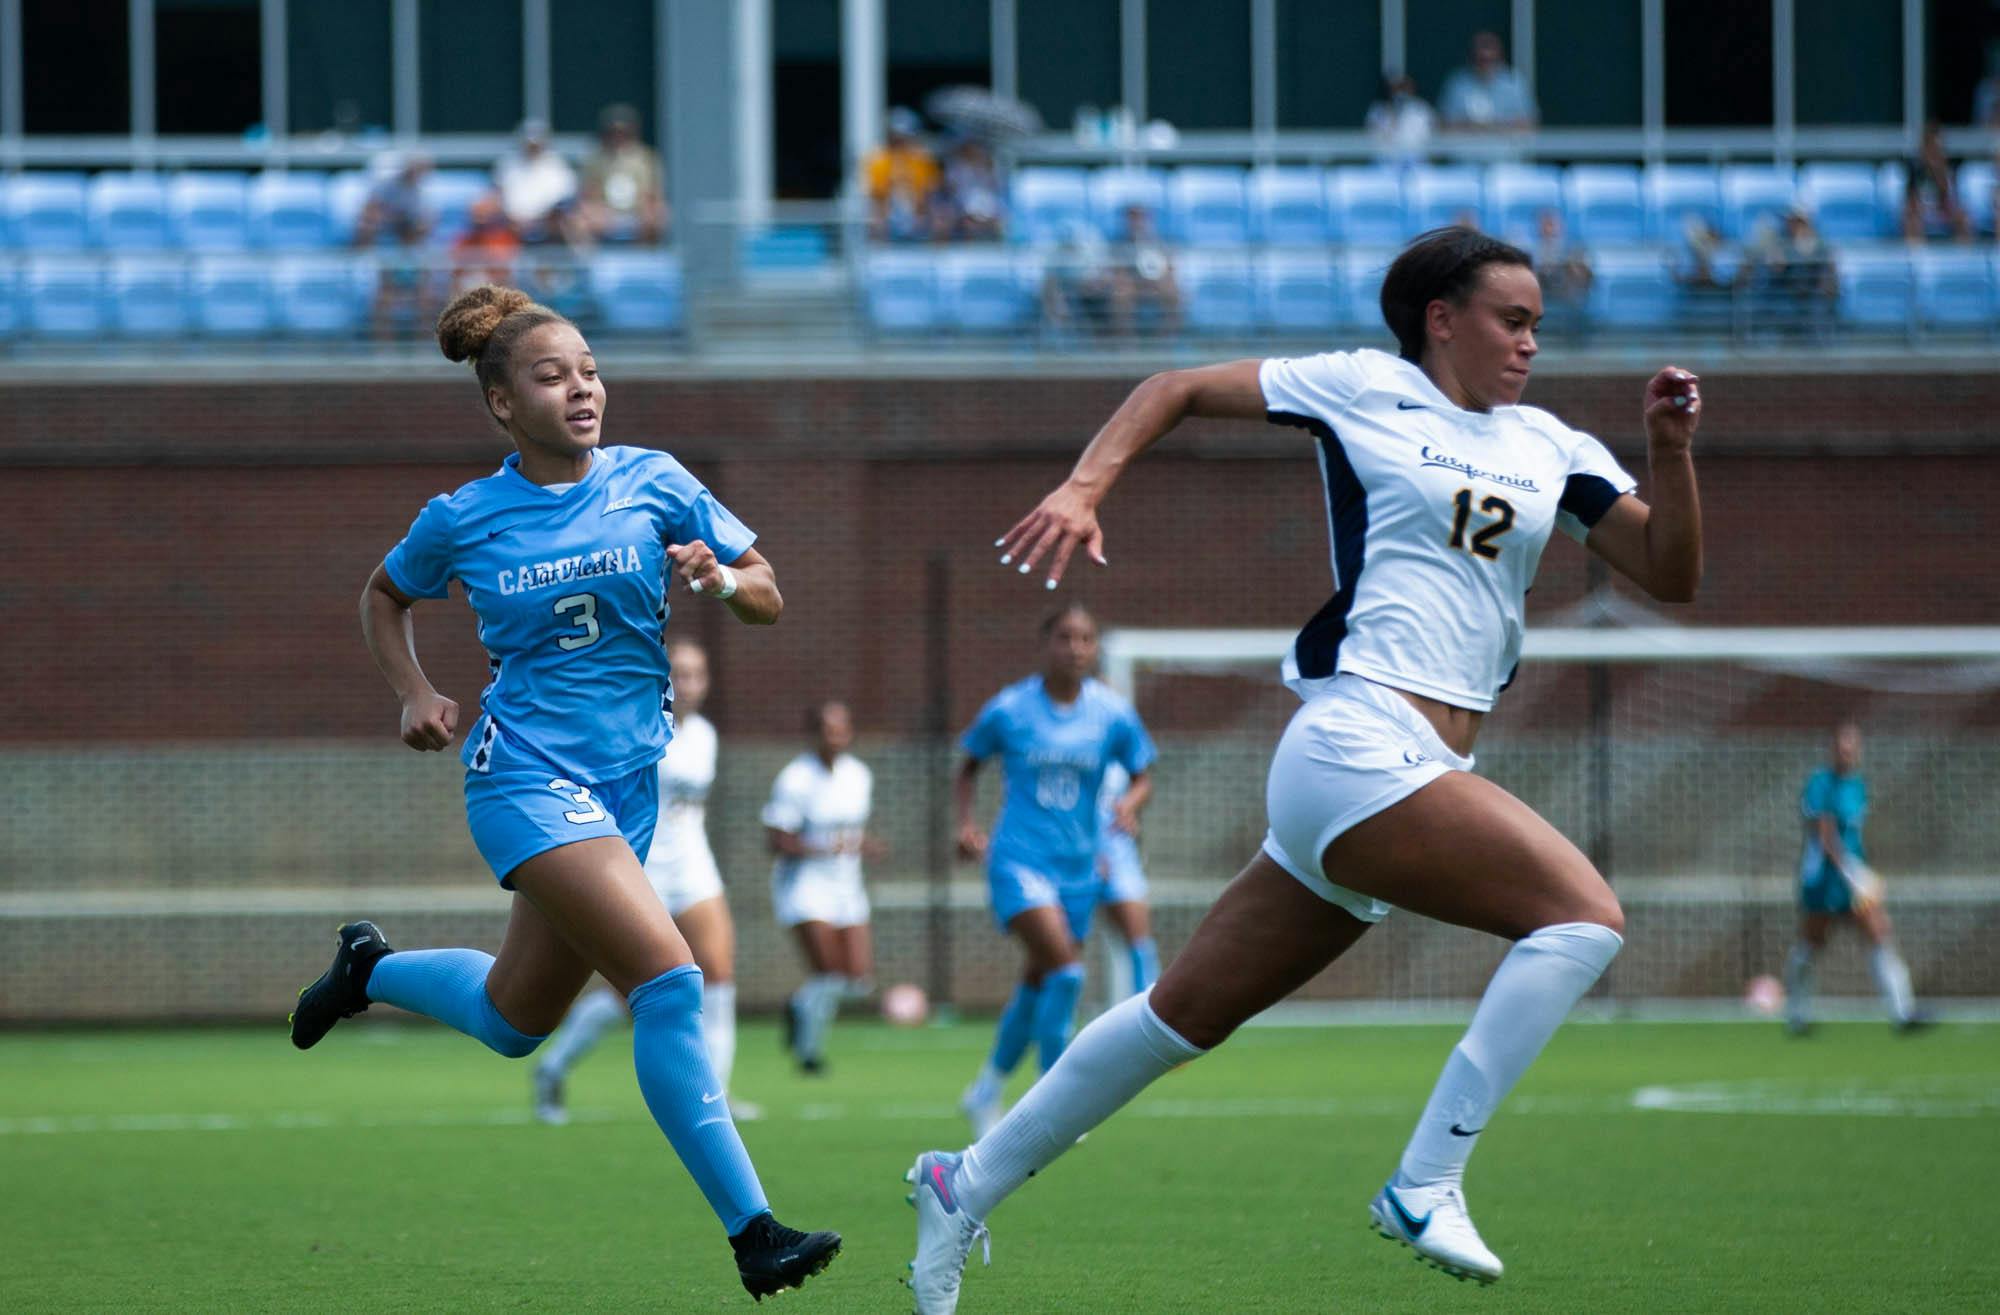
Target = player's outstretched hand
(695,561)
(971,842)
(1673,409)
(429,721)
(1065,519)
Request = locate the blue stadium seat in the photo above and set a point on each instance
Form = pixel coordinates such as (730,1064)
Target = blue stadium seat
(210,211)
(1207,207)
(128,212)
(231,296)
(1877,288)
(1298,291)
(346,193)
(320,296)
(1845,202)
(1047,201)
(1288,206)
(1955,289)
(1975,193)
(1632,290)
(785,246)
(288,211)
(64,297)
(1365,205)
(10,299)
(1362,270)
(1111,190)
(1754,195)
(1440,194)
(148,296)
(988,290)
(45,212)
(901,293)
(1516,195)
(1672,192)
(449,194)
(1604,204)
(1217,295)
(638,291)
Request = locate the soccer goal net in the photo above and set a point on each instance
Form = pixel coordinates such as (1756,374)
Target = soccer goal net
(1675,757)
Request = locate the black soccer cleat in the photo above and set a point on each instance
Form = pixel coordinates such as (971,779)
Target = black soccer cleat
(771,1257)
(1916,1022)
(342,990)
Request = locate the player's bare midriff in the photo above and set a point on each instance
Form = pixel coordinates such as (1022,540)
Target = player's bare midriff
(1457,727)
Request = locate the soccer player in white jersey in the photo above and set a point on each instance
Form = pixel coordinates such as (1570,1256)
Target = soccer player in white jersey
(817,823)
(1442,491)
(684,875)
(1124,895)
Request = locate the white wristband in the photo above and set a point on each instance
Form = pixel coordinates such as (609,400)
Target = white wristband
(728,589)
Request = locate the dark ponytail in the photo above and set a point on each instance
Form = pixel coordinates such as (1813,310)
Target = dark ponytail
(1441,265)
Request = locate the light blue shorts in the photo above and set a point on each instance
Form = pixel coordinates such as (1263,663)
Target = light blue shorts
(1124,875)
(519,808)
(1015,887)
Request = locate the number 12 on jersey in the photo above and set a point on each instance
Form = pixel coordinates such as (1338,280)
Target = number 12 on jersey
(1482,544)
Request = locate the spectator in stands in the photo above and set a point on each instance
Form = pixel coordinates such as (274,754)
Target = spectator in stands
(1694,266)
(1144,293)
(1077,282)
(902,179)
(1793,266)
(485,251)
(623,196)
(973,205)
(396,221)
(1931,205)
(1563,266)
(537,186)
(1488,95)
(1400,121)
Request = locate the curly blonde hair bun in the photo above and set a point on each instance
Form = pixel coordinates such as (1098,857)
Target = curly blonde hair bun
(466,325)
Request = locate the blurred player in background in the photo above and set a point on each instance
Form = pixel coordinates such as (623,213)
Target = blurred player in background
(684,875)
(564,554)
(1123,893)
(817,823)
(1835,882)
(1055,733)
(1442,491)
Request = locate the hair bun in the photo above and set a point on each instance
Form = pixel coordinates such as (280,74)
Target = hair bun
(464,326)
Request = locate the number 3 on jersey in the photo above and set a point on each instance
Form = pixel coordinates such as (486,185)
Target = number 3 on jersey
(585,620)
(1482,544)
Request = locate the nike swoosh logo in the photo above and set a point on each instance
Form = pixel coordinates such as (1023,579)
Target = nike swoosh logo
(1411,1224)
(1411,406)
(1457,1131)
(943,1191)
(710,1100)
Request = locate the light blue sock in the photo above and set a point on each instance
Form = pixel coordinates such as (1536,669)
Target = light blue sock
(450,986)
(1055,1012)
(1145,965)
(685,1096)
(1017,1028)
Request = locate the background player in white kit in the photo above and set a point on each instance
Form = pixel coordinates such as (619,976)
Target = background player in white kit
(817,822)
(1124,893)
(1441,493)
(682,869)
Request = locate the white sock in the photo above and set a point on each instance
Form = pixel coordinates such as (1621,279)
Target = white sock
(718,1028)
(587,1023)
(1892,978)
(1105,1066)
(1532,991)
(1799,984)
(818,1002)
(987,1087)
(856,988)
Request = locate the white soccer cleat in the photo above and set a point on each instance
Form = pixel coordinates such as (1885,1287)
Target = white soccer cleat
(945,1234)
(1432,1221)
(981,1114)
(550,1108)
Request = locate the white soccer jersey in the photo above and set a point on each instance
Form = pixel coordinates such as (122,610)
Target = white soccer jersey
(826,807)
(687,774)
(1438,518)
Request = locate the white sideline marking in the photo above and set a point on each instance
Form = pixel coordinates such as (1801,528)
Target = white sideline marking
(1929,1098)
(43,1125)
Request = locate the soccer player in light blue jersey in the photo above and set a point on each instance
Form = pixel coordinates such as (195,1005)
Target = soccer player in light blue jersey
(1055,733)
(1835,882)
(564,554)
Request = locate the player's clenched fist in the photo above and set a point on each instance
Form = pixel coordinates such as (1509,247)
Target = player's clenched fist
(429,721)
(695,561)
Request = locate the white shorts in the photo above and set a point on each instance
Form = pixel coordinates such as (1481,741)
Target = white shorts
(684,880)
(836,901)
(1346,756)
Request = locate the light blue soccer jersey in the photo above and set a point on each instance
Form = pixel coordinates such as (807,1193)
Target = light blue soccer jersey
(1845,799)
(570,591)
(1053,759)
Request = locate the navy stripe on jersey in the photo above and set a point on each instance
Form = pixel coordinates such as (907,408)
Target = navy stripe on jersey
(1588,497)
(1318,646)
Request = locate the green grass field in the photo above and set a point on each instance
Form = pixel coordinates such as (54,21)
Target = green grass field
(1644,1167)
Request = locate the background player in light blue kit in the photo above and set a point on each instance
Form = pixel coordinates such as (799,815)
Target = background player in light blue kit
(1123,873)
(1054,733)
(564,555)
(1836,882)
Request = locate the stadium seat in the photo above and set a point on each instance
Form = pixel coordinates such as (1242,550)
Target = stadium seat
(346,194)
(1298,291)
(63,297)
(638,291)
(1217,295)
(1047,201)
(230,296)
(1754,195)
(320,296)
(288,211)
(449,194)
(988,290)
(1516,196)
(1975,193)
(148,296)
(1362,271)
(210,211)
(1955,289)
(1112,190)
(1441,194)
(1287,206)
(1632,290)
(1846,205)
(1365,205)
(902,291)
(1877,288)
(1604,204)
(1207,207)
(1672,192)
(1890,180)
(45,212)
(785,246)
(10,299)
(128,212)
